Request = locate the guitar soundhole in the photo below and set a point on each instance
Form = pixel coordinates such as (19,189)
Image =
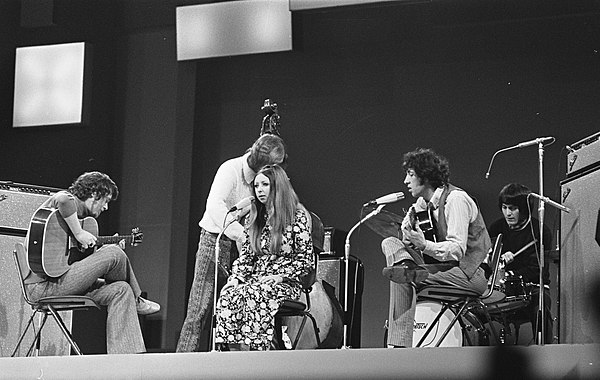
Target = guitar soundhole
(76,255)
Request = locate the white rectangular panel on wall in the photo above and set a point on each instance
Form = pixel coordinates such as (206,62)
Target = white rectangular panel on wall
(233,28)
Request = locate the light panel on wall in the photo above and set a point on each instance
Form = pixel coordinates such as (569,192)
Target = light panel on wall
(299,5)
(49,85)
(233,28)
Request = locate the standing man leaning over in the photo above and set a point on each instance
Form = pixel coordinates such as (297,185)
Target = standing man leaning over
(462,242)
(232,183)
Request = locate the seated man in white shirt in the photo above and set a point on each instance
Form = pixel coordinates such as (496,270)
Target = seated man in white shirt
(458,238)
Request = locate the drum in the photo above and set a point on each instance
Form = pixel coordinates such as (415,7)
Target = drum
(517,295)
(473,334)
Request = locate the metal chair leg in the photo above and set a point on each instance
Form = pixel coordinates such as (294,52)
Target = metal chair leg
(489,318)
(38,336)
(433,324)
(301,329)
(23,334)
(64,330)
(456,317)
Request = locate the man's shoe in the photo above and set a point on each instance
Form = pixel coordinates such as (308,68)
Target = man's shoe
(147,307)
(404,272)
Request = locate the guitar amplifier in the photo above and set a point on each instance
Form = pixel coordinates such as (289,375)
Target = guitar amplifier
(583,155)
(18,202)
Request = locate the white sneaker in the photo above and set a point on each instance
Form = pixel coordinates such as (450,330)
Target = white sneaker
(147,307)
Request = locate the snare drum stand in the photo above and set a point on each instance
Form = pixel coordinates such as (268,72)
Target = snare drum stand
(347,266)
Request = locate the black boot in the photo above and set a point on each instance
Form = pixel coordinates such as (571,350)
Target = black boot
(404,272)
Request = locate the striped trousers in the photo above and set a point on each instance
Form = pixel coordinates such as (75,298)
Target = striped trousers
(403,296)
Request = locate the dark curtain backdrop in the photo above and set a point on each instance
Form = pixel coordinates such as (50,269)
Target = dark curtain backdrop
(362,86)
(352,101)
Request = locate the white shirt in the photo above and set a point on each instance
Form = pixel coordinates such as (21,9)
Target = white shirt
(233,182)
(460,210)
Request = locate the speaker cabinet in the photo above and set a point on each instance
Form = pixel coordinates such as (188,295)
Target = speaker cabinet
(332,270)
(580,260)
(17,204)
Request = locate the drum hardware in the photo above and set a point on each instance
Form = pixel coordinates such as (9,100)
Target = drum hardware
(541,209)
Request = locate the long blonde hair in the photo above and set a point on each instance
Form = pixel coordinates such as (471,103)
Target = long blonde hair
(278,212)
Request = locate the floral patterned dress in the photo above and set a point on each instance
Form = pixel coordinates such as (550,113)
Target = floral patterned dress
(245,312)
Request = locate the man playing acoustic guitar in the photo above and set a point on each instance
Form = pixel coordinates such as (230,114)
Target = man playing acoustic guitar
(461,242)
(105,275)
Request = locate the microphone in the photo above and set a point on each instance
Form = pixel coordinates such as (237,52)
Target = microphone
(390,198)
(242,204)
(521,145)
(535,142)
(551,202)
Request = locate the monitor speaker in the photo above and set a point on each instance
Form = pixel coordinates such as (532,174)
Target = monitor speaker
(17,204)
(580,260)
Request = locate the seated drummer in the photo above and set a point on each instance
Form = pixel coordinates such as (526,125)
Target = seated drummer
(520,257)
(461,242)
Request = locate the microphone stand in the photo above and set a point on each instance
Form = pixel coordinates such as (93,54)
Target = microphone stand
(214,317)
(347,259)
(542,323)
(540,142)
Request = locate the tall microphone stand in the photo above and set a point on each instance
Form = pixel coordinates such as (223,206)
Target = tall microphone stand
(347,259)
(214,317)
(541,324)
(540,142)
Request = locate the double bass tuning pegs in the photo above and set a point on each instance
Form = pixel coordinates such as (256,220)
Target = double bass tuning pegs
(270,122)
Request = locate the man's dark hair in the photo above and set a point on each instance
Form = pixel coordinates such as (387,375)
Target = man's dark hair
(94,184)
(428,166)
(515,194)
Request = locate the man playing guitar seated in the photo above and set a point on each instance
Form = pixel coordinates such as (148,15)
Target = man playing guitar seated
(462,242)
(105,275)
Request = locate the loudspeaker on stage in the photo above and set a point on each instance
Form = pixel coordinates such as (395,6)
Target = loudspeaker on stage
(18,202)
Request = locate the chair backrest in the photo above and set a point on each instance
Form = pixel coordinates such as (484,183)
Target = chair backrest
(495,264)
(317,231)
(20,257)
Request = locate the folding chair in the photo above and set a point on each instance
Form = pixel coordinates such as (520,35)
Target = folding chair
(296,308)
(47,306)
(459,300)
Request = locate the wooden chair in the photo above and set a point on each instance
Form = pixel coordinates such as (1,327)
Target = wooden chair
(460,299)
(48,306)
(297,308)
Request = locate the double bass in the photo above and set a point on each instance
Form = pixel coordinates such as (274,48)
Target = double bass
(324,306)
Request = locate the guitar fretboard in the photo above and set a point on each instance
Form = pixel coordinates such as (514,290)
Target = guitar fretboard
(114,239)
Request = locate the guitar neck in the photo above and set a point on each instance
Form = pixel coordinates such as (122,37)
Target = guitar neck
(101,240)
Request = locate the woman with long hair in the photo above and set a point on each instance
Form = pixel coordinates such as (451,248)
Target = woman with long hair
(276,253)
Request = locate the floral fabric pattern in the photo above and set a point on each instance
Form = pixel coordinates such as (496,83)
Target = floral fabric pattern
(245,312)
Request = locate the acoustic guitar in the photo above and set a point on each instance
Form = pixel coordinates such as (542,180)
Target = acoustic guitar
(425,221)
(52,248)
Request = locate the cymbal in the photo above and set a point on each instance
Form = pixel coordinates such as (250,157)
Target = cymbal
(385,224)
